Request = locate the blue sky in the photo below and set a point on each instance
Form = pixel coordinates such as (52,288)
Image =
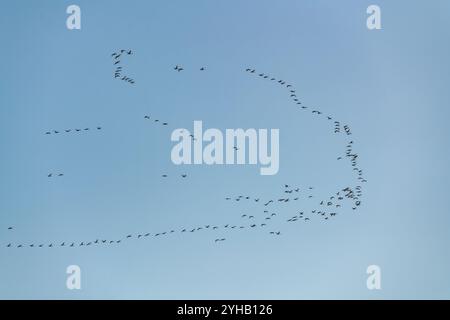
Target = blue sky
(389,85)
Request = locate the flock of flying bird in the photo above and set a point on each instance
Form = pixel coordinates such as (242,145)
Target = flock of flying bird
(353,194)
(70,130)
(147,117)
(118,72)
(324,208)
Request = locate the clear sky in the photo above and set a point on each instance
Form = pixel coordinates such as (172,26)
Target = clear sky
(390,86)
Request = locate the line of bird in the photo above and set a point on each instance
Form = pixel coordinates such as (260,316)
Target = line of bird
(72,130)
(147,117)
(224,227)
(116,56)
(137,236)
(179,68)
(337,125)
(51,175)
(184,175)
(266,219)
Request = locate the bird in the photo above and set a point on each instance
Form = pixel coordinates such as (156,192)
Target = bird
(202,69)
